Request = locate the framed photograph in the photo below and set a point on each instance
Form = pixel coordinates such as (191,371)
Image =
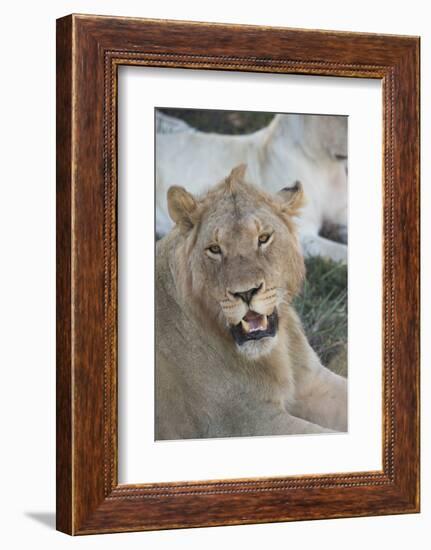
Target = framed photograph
(237,274)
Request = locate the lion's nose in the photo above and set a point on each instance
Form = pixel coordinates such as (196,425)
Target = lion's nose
(247,295)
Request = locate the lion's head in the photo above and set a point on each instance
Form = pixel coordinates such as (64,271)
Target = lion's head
(239,258)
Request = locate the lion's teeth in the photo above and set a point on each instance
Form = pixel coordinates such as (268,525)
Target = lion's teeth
(260,323)
(245,326)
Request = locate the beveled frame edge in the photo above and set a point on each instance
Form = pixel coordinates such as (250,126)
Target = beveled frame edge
(89,51)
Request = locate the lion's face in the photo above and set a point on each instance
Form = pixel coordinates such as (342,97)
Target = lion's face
(241,257)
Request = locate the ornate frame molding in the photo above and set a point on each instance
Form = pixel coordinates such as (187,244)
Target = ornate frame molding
(89,498)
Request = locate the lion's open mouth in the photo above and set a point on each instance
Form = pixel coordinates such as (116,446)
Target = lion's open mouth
(254,326)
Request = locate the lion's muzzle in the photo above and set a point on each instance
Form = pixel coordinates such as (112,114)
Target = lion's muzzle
(251,314)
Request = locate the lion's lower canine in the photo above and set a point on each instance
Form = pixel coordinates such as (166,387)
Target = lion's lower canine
(231,355)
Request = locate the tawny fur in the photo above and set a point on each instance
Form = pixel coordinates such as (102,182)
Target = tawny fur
(206,384)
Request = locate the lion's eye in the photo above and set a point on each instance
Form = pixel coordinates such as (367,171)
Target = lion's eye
(264,238)
(214,249)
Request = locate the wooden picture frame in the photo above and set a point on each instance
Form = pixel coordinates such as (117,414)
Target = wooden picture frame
(89,52)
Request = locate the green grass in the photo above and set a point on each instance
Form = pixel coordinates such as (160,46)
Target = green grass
(322,306)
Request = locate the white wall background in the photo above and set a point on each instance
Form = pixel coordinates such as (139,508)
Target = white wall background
(27,238)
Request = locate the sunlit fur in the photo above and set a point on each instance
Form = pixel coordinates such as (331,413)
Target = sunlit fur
(206,384)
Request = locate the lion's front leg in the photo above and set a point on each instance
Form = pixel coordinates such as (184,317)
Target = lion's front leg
(321,398)
(267,419)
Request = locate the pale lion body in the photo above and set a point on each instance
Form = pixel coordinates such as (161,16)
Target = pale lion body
(208,385)
(311,149)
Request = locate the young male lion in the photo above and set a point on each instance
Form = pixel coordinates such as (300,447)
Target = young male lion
(231,355)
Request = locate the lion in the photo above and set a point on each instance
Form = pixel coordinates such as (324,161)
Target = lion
(308,148)
(232,358)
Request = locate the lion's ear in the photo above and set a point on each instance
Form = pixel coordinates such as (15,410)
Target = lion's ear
(181,206)
(292,198)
